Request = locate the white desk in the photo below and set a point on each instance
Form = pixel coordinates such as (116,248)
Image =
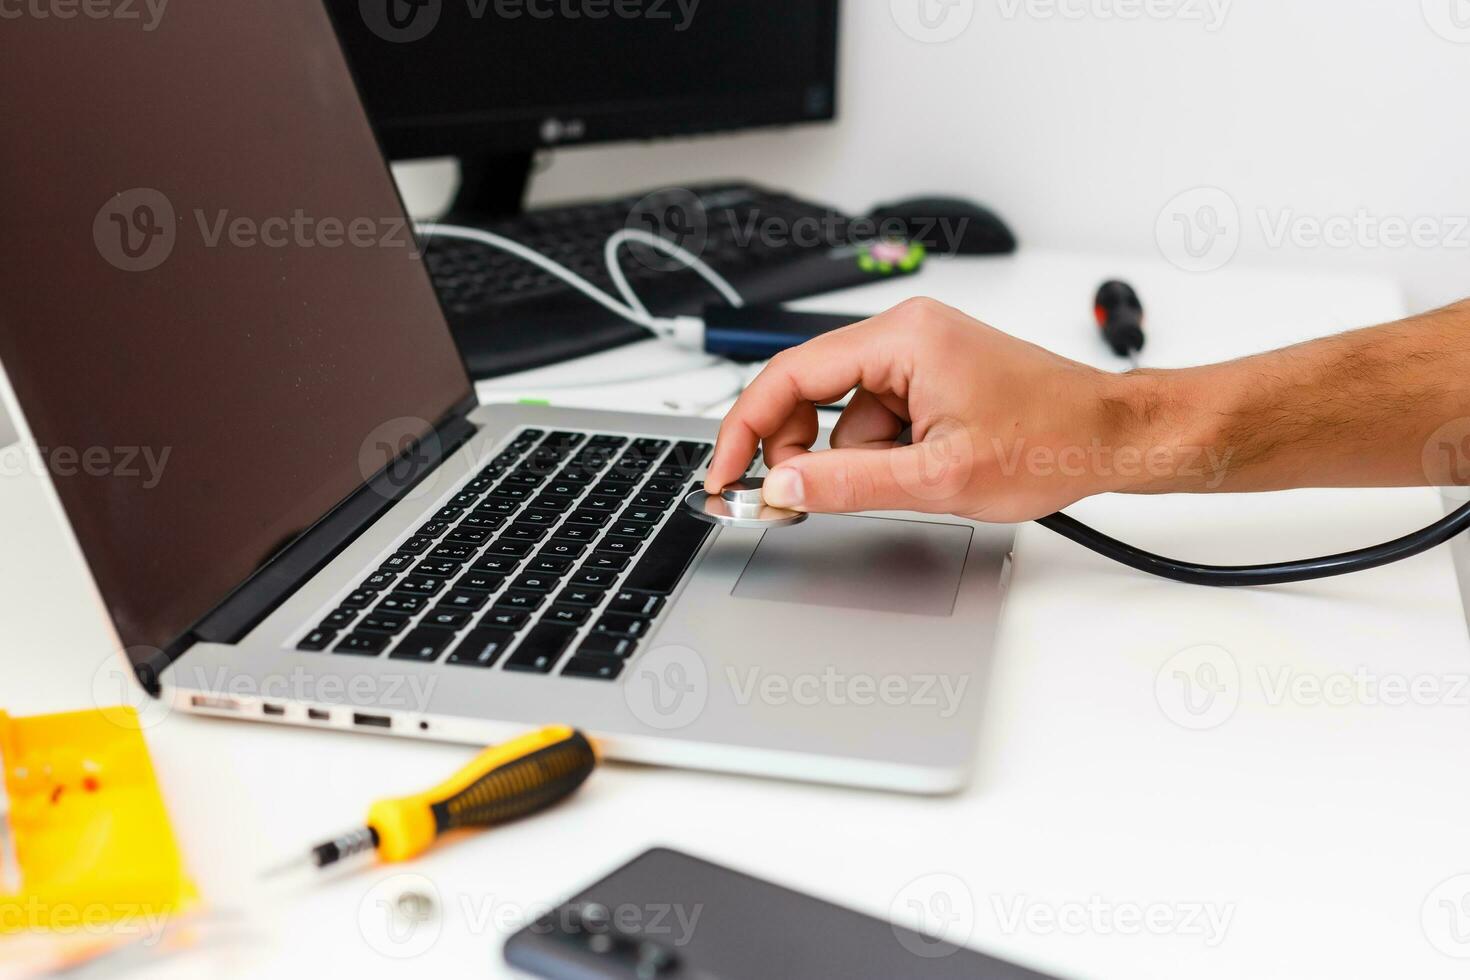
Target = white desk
(1319,830)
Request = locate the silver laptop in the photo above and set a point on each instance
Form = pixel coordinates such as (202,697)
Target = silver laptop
(220,337)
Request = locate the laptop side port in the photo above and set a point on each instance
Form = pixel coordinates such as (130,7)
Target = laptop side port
(317,714)
(372,721)
(273,710)
(215,704)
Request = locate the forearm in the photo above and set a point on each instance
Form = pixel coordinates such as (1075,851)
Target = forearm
(1358,410)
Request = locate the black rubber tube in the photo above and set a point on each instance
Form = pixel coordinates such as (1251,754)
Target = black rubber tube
(1226,576)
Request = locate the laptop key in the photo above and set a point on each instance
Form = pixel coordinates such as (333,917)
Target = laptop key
(434,529)
(400,562)
(662,567)
(416,545)
(568,440)
(646,515)
(654,501)
(619,546)
(463,599)
(579,595)
(604,563)
(609,442)
(454,552)
(559,548)
(524,532)
(599,579)
(448,515)
(539,518)
(481,647)
(478,519)
(636,604)
(384,622)
(524,601)
(632,529)
(421,585)
(589,518)
(567,615)
(401,602)
(577,532)
(423,644)
(473,581)
(632,627)
(593,668)
(601,505)
(607,645)
(690,455)
(663,486)
(446,619)
(650,447)
(469,535)
(533,582)
(496,565)
(437,568)
(498,508)
(363,644)
(542,647)
(564,488)
(339,619)
(547,565)
(317,640)
(514,549)
(511,619)
(360,599)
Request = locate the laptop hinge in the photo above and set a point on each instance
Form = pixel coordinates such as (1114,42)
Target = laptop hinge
(292,567)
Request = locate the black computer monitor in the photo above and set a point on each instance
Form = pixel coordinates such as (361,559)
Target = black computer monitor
(492,81)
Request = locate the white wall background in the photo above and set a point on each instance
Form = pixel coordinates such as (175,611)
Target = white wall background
(1081,120)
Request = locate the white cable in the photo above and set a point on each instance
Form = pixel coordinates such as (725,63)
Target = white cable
(620,279)
(639,316)
(685,331)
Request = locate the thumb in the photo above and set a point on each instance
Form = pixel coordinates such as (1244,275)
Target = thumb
(846,481)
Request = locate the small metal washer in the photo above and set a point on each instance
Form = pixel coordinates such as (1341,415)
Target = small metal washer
(741,504)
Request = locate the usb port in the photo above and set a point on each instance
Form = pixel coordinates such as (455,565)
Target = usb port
(372,721)
(317,714)
(273,710)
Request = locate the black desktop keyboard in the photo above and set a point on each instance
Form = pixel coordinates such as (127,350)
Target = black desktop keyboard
(509,315)
(568,539)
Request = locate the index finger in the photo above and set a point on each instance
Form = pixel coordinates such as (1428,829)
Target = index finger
(866,354)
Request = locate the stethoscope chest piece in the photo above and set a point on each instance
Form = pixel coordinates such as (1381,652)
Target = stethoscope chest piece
(741,504)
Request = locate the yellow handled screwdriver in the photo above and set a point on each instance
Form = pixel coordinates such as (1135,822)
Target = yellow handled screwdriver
(501,784)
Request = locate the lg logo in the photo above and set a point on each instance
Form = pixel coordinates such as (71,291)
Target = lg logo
(933,21)
(401,21)
(1450,19)
(1199,230)
(135,231)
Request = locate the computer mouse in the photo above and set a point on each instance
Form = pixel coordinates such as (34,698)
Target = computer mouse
(948,225)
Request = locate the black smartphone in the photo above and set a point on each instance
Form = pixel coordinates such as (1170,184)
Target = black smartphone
(670,916)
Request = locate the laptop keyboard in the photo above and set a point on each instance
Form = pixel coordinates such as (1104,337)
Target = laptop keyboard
(561,553)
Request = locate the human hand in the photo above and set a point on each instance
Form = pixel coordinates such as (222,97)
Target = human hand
(986,411)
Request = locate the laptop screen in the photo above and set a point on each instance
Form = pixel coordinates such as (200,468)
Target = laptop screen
(212,312)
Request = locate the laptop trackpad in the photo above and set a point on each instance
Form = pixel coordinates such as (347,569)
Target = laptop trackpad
(860,563)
